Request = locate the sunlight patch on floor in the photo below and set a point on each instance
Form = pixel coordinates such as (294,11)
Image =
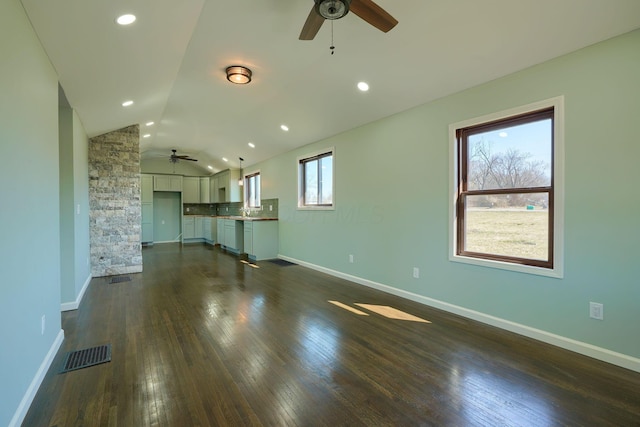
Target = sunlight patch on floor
(391,313)
(249,264)
(346,307)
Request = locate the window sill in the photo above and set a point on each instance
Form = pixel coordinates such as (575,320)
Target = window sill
(316,208)
(555,272)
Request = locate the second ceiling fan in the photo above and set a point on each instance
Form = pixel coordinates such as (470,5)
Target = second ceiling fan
(336,9)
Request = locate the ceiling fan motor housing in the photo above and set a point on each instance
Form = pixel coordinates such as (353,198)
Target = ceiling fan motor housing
(332,9)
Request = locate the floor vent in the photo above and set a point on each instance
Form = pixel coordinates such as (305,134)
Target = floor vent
(120,279)
(282,262)
(88,357)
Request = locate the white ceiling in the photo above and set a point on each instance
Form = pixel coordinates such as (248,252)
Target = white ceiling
(171,63)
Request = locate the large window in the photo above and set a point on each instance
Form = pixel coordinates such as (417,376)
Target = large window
(505,189)
(315,177)
(252,190)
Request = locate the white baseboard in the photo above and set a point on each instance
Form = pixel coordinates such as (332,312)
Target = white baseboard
(68,306)
(28,397)
(615,358)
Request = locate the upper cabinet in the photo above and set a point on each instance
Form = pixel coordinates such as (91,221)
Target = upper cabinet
(191,189)
(167,183)
(228,188)
(213,189)
(205,196)
(146,188)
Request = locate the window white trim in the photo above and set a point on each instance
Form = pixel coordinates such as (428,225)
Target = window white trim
(558,187)
(245,189)
(303,207)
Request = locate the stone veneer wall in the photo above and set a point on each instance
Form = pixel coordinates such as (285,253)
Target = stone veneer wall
(114,202)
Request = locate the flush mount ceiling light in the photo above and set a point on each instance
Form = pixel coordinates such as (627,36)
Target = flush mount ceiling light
(363,86)
(238,74)
(127,103)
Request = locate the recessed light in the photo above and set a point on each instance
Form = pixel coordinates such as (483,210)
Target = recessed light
(146,135)
(252,145)
(284,128)
(126,19)
(225,159)
(503,134)
(363,86)
(209,166)
(127,103)
(150,123)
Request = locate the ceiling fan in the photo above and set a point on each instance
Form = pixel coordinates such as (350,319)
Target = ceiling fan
(336,9)
(174,158)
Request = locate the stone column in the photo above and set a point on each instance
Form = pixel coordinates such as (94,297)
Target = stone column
(114,202)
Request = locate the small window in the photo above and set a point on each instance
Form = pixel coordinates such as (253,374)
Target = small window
(252,190)
(505,190)
(315,176)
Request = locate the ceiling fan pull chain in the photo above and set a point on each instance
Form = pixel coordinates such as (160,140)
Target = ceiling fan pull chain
(332,47)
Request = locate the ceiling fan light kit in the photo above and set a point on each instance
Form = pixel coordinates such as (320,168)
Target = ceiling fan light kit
(332,9)
(174,158)
(367,10)
(238,74)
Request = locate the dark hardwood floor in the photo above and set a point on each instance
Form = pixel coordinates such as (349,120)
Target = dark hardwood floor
(201,339)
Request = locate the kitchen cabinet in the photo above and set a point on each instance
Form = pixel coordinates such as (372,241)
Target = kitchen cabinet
(205,196)
(233,236)
(213,189)
(191,189)
(167,183)
(206,229)
(220,223)
(213,235)
(261,239)
(228,189)
(199,228)
(146,205)
(188,228)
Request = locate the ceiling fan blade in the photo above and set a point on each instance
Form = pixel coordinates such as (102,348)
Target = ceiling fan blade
(311,26)
(373,14)
(191,160)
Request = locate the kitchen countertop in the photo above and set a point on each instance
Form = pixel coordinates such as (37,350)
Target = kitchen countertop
(236,217)
(247,218)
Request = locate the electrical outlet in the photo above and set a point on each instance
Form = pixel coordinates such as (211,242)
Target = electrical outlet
(596,310)
(78,210)
(351,258)
(416,273)
(227,208)
(43,323)
(270,208)
(187,209)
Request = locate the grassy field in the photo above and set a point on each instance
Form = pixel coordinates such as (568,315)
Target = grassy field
(515,232)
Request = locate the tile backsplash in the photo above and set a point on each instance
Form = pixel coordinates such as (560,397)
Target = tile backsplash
(269,209)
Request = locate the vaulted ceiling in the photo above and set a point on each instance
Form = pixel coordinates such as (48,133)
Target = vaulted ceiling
(171,62)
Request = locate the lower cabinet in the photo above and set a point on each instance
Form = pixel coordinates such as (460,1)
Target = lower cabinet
(220,229)
(206,229)
(198,229)
(261,239)
(230,235)
(188,228)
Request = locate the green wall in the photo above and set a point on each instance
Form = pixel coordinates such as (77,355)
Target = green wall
(30,248)
(167,209)
(74,207)
(392,203)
